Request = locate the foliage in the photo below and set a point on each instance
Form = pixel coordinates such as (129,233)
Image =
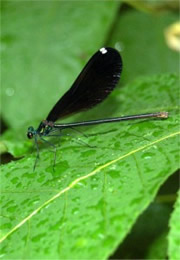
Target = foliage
(87,206)
(174,236)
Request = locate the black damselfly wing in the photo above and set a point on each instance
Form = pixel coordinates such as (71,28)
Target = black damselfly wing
(98,78)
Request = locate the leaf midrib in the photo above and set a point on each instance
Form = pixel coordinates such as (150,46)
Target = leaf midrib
(76,181)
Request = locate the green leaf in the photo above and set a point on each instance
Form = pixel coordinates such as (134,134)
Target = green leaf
(146,232)
(95,195)
(174,234)
(86,207)
(141,39)
(44,46)
(141,96)
(158,249)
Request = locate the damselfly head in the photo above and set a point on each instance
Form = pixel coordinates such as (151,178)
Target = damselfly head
(30,132)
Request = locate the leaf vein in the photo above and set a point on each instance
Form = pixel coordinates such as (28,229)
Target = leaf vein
(72,184)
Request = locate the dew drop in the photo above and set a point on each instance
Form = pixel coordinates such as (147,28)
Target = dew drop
(47,206)
(110,189)
(147,155)
(94,178)
(77,199)
(94,186)
(119,46)
(113,167)
(101,236)
(75,211)
(10,92)
(81,183)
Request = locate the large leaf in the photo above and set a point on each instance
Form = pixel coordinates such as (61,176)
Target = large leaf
(174,234)
(138,97)
(147,231)
(158,249)
(141,38)
(44,46)
(85,208)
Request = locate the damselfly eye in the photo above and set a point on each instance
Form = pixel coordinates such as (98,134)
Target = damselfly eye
(30,135)
(30,132)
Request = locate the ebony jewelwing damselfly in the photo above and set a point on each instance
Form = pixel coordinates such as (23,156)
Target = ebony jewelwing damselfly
(95,82)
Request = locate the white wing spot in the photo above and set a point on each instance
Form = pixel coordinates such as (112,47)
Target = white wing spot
(103,50)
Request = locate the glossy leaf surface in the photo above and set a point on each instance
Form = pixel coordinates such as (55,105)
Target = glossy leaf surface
(174,235)
(92,203)
(144,47)
(158,249)
(88,205)
(62,42)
